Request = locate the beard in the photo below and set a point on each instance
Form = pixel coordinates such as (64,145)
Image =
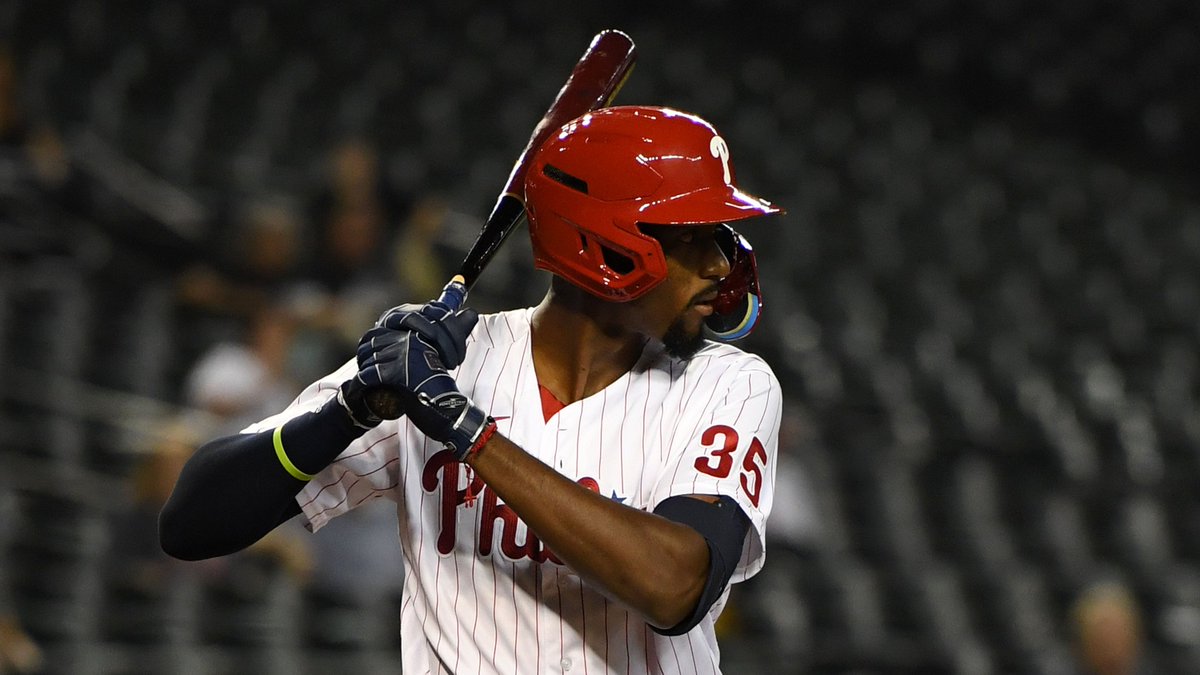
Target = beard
(682,343)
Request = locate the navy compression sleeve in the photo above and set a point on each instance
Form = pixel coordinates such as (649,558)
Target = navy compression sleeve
(234,490)
(723,526)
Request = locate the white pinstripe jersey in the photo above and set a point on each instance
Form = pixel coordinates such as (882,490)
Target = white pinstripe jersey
(481,593)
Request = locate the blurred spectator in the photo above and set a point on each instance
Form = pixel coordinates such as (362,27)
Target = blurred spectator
(370,249)
(255,263)
(18,652)
(137,560)
(236,381)
(366,252)
(355,215)
(360,560)
(421,269)
(30,152)
(373,270)
(1108,626)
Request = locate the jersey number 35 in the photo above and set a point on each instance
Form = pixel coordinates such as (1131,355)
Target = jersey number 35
(721,442)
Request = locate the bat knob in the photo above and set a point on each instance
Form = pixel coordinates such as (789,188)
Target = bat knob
(384,403)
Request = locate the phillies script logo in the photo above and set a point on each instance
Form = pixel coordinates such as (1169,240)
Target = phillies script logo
(444,470)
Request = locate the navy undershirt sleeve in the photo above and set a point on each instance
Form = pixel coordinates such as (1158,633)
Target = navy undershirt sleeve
(233,490)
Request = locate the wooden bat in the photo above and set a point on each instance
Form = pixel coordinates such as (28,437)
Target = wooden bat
(593,83)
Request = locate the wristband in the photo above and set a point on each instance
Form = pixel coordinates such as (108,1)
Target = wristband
(489,430)
(485,435)
(292,470)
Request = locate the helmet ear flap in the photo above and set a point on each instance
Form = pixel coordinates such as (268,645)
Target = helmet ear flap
(739,300)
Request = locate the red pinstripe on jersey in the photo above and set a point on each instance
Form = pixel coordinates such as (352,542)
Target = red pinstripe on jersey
(637,441)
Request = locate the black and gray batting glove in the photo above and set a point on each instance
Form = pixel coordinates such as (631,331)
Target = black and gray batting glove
(428,395)
(440,410)
(383,349)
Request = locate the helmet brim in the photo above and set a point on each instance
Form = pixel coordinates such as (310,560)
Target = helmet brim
(721,204)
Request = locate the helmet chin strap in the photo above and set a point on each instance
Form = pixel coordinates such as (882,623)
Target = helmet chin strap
(739,300)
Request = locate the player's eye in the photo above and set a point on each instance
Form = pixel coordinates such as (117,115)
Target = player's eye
(688,236)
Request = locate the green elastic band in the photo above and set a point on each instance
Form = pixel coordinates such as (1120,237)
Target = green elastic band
(283,458)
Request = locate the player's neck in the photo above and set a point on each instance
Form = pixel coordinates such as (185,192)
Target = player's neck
(580,344)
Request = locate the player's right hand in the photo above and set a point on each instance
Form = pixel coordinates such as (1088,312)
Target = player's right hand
(381,353)
(434,404)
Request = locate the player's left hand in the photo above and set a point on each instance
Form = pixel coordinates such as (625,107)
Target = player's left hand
(382,352)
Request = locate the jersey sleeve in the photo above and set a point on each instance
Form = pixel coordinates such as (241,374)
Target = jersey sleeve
(732,451)
(364,470)
(311,399)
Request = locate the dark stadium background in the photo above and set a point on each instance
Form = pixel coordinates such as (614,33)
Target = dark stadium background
(983,303)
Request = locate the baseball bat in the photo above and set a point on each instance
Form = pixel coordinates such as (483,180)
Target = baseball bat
(593,83)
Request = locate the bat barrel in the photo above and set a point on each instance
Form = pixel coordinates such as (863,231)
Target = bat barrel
(593,83)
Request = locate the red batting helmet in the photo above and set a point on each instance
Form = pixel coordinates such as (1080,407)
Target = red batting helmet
(590,185)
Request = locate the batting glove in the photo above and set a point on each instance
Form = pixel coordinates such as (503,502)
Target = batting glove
(428,395)
(383,349)
(437,323)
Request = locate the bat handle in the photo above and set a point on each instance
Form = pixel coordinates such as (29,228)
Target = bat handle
(454,293)
(385,403)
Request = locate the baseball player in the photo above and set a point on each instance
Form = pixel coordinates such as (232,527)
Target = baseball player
(576,483)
